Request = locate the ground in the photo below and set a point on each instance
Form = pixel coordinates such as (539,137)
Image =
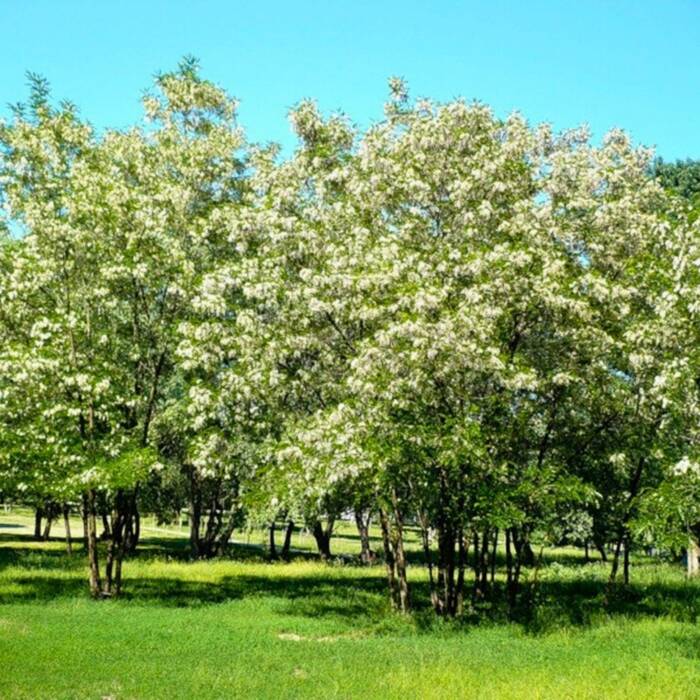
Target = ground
(243,627)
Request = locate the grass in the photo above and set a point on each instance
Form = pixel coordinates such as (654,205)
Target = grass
(243,627)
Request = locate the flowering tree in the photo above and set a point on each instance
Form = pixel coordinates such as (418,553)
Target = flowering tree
(479,289)
(120,231)
(450,319)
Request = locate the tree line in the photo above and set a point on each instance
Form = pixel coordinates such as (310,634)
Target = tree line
(451,321)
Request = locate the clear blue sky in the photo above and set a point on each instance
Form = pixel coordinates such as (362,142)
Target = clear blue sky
(634,64)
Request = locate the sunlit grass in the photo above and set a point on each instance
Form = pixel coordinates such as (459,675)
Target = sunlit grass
(244,627)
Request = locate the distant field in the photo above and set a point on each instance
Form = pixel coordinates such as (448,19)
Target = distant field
(243,627)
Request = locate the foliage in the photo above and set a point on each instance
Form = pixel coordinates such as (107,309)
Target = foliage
(449,319)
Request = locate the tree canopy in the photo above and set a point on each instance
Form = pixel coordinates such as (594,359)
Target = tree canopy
(449,319)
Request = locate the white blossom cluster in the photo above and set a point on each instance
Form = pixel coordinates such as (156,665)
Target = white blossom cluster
(447,298)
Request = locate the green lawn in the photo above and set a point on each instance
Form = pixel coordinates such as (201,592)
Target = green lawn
(244,628)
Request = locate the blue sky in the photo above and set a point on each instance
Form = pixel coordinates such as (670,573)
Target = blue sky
(616,63)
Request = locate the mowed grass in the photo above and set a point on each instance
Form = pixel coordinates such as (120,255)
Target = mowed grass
(246,628)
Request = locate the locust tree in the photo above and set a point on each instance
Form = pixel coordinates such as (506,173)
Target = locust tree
(119,229)
(489,292)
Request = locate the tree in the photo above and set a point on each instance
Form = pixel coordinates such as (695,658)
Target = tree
(479,293)
(120,231)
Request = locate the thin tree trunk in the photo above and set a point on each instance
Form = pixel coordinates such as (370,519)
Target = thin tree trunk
(66,525)
(601,551)
(693,556)
(462,565)
(38,515)
(494,554)
(195,515)
(624,534)
(47,528)
(114,548)
(366,554)
(527,555)
(615,560)
(208,543)
(477,593)
(509,560)
(225,535)
(106,527)
(400,555)
(389,559)
(131,522)
(137,527)
(117,584)
(484,561)
(95,584)
(446,568)
(287,545)
(513,564)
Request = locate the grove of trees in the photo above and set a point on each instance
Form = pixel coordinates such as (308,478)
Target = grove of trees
(468,324)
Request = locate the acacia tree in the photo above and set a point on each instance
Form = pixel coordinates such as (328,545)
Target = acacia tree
(119,231)
(499,287)
(268,363)
(450,319)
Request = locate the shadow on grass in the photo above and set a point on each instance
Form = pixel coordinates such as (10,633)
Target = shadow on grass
(353,599)
(36,555)
(41,574)
(359,598)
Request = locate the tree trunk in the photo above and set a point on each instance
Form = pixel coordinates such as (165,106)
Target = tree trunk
(131,522)
(389,559)
(195,515)
(95,584)
(227,531)
(66,524)
(402,573)
(624,534)
(477,593)
(218,530)
(494,554)
(485,562)
(362,522)
(513,568)
(400,556)
(207,544)
(287,545)
(615,560)
(113,547)
(527,554)
(509,560)
(446,569)
(47,528)
(601,550)
(323,537)
(38,515)
(626,562)
(462,565)
(106,527)
(693,556)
